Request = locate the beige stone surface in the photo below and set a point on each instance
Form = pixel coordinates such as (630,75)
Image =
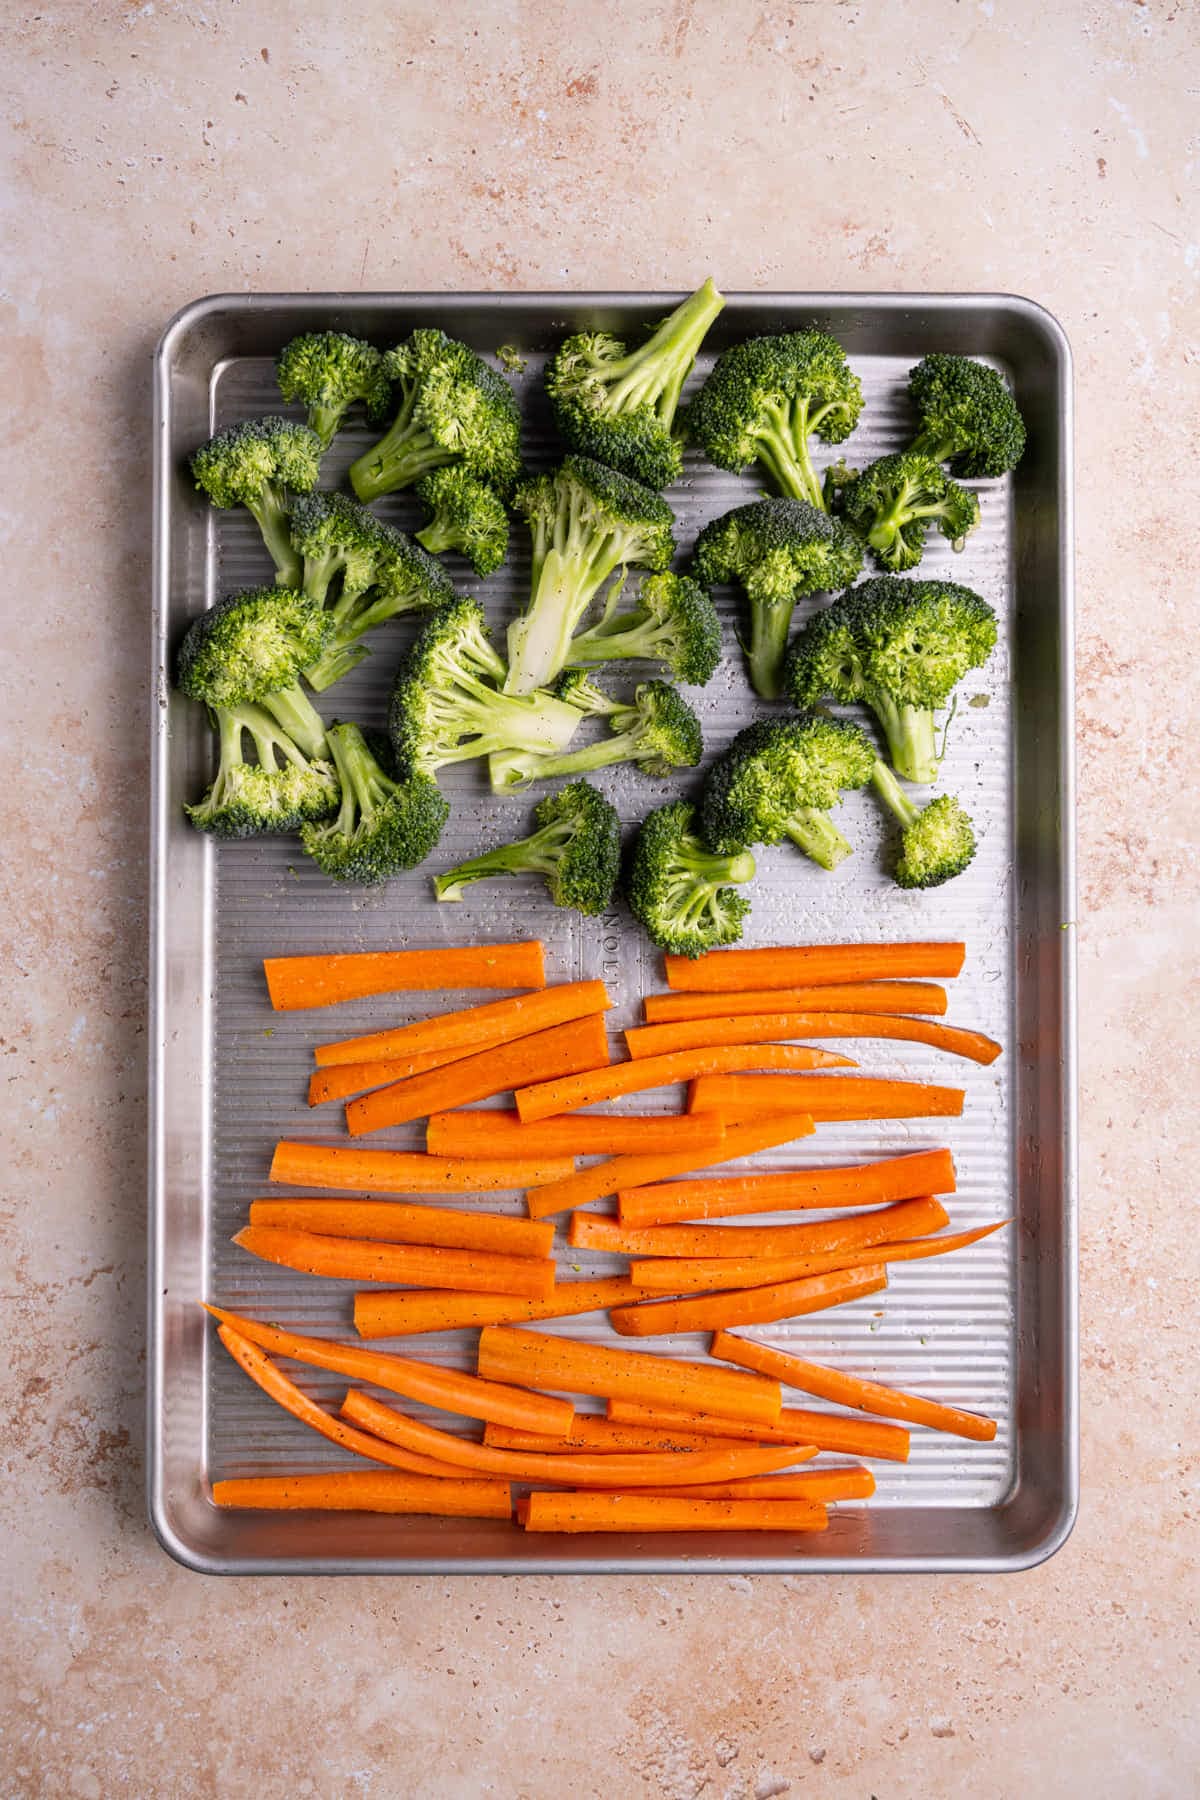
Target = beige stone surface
(155,152)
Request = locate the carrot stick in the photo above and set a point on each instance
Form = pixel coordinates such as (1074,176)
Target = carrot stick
(302,981)
(795,1425)
(493,1133)
(367,1490)
(405,1314)
(750,1306)
(407,1172)
(534,1359)
(822,1096)
(849,1390)
(811,965)
(865,1184)
(343,1079)
(677,1275)
(495,1022)
(852,1483)
(775,1027)
(543,1099)
(392,1222)
(634,1512)
(620,1172)
(858,997)
(449,1389)
(591,1431)
(744,1243)
(420,1265)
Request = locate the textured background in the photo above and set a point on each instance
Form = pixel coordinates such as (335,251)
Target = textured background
(160,151)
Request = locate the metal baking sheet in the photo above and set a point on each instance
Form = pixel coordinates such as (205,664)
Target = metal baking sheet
(993,1329)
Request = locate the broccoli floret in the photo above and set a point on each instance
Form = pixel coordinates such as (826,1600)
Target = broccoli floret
(892,503)
(278,793)
(447,705)
(468,516)
(383,825)
(453,409)
(766,397)
(778,550)
(671,621)
(968,417)
(576,847)
(577,688)
(253,465)
(677,886)
(586,521)
(252,647)
(619,405)
(901,646)
(781,778)
(327,371)
(658,732)
(937,841)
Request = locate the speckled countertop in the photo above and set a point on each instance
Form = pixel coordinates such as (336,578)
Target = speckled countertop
(155,152)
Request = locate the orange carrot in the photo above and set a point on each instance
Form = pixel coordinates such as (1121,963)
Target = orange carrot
(493,1133)
(421,1265)
(407,1313)
(795,1425)
(543,1099)
(866,1184)
(744,1243)
(811,965)
(619,1172)
(535,1359)
(851,1483)
(449,1389)
(367,1490)
(750,1306)
(591,1431)
(343,1079)
(678,1275)
(391,1222)
(407,1172)
(774,1027)
(495,1022)
(639,1513)
(860,997)
(848,1390)
(823,1097)
(302,981)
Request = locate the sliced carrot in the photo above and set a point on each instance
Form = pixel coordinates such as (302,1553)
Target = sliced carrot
(495,1022)
(367,1490)
(392,1222)
(823,1097)
(294,982)
(405,1314)
(864,1184)
(678,1275)
(494,1133)
(408,1172)
(811,965)
(637,1512)
(859,997)
(342,1080)
(744,1243)
(449,1389)
(536,1359)
(750,1306)
(795,1425)
(851,1483)
(643,1041)
(593,1432)
(421,1265)
(544,1099)
(849,1390)
(562,1051)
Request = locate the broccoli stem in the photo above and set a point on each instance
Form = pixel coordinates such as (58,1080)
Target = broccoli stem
(536,854)
(911,737)
(887,526)
(657,370)
(784,452)
(404,453)
(364,785)
(296,713)
(893,796)
(325,420)
(437,536)
(336,660)
(928,443)
(814,832)
(769,628)
(319,573)
(539,643)
(269,510)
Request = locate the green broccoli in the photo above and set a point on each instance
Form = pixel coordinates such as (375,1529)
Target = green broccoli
(968,417)
(468,516)
(252,647)
(383,825)
(586,521)
(901,646)
(781,778)
(619,405)
(327,371)
(253,465)
(672,621)
(778,550)
(278,793)
(576,847)
(453,409)
(658,732)
(766,397)
(937,841)
(892,503)
(677,886)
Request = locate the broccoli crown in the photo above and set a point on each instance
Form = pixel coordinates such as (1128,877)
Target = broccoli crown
(619,405)
(250,645)
(453,409)
(240,463)
(658,732)
(277,793)
(892,502)
(778,549)
(777,769)
(672,621)
(968,417)
(937,846)
(576,848)
(327,371)
(468,516)
(913,640)
(677,888)
(383,825)
(335,536)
